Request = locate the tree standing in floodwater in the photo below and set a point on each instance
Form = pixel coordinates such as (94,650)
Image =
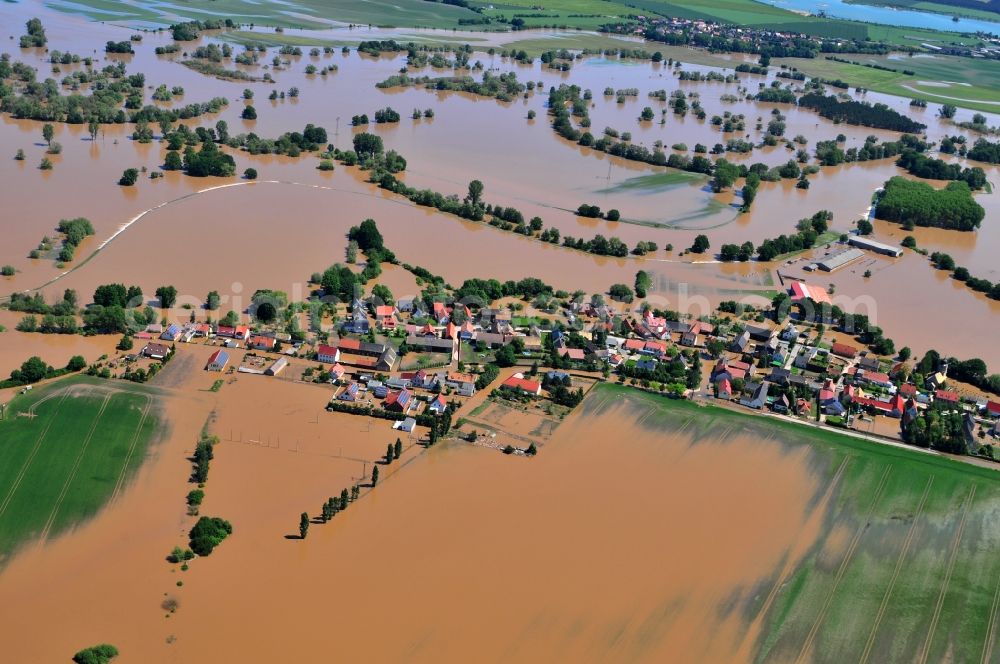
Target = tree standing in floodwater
(303,525)
(374,475)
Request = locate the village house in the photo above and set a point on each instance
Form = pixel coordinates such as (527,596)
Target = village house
(802,291)
(946,396)
(429,344)
(155,351)
(337,372)
(740,343)
(758,396)
(217,361)
(634,345)
(519,383)
(762,334)
(463,384)
(172,333)
(440,313)
(438,405)
(350,392)
(789,333)
(574,354)
(893,406)
(828,400)
(691,339)
(327,354)
(862,376)
(261,342)
(495,340)
(646,364)
(725,389)
(399,401)
(868,363)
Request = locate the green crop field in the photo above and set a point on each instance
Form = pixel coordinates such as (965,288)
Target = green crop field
(907,566)
(964,82)
(309,14)
(65,450)
(584,14)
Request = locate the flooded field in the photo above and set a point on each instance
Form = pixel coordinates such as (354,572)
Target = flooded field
(664,502)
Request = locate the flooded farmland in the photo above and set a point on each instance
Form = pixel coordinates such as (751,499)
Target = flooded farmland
(655,512)
(645,529)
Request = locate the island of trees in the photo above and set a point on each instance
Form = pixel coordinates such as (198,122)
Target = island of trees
(878,116)
(918,204)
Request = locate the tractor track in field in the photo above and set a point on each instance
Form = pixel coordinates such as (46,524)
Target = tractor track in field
(787,568)
(31,457)
(991,627)
(842,569)
(131,450)
(949,569)
(907,542)
(76,466)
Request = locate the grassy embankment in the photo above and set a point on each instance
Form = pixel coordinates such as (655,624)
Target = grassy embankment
(905,569)
(60,466)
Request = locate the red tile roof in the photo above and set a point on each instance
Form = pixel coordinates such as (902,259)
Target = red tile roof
(993,407)
(349,344)
(843,350)
(802,290)
(330,351)
(946,395)
(522,384)
(908,389)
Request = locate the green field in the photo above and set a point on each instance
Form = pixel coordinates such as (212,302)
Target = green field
(907,566)
(309,14)
(964,82)
(586,14)
(65,450)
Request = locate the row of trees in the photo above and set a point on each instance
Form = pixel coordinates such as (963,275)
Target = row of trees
(943,261)
(332,506)
(34,369)
(937,169)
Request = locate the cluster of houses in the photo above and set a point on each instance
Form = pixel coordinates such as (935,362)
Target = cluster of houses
(232,336)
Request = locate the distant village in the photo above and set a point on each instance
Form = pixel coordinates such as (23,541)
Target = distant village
(727,36)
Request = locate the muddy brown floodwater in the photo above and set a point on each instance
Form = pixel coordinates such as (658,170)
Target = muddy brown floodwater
(620,540)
